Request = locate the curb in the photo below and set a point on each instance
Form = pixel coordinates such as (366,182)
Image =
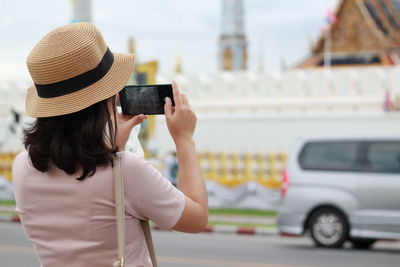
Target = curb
(234,230)
(10,218)
(241,230)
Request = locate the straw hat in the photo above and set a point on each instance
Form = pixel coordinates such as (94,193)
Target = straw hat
(72,69)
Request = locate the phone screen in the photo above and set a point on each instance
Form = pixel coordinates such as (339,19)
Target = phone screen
(145,99)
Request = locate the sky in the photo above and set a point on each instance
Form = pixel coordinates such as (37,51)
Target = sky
(277,30)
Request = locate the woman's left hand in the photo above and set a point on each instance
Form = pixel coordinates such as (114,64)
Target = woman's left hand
(125,124)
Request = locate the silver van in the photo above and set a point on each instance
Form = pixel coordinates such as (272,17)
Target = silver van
(342,190)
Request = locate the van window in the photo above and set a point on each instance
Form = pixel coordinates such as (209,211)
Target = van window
(383,157)
(331,156)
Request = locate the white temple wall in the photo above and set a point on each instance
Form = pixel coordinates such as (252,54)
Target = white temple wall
(271,133)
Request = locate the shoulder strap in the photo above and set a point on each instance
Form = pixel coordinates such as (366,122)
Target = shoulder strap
(149,242)
(119,209)
(120,214)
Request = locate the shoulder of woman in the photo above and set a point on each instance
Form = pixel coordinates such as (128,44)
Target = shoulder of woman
(131,159)
(127,155)
(21,164)
(21,157)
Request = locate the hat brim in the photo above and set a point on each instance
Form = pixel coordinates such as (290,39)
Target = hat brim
(113,82)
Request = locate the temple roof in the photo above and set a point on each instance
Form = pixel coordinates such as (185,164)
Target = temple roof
(367,32)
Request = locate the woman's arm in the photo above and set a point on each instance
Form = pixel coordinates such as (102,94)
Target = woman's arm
(181,122)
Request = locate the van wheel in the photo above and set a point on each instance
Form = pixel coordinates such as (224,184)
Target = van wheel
(329,228)
(362,243)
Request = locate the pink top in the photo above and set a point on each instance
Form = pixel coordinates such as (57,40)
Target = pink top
(72,223)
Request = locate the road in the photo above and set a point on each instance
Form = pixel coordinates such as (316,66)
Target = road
(212,249)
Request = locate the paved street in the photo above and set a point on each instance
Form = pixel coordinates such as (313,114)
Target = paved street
(207,250)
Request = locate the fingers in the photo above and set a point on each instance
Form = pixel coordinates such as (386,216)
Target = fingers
(138,119)
(185,99)
(177,94)
(179,98)
(131,121)
(168,108)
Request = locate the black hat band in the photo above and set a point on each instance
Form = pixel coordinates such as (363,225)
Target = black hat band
(78,82)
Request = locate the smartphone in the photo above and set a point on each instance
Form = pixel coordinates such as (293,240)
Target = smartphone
(145,99)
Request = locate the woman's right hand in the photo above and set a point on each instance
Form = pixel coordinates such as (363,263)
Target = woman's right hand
(181,122)
(181,119)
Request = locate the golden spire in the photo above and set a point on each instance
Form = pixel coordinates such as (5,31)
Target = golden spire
(178,64)
(132,50)
(131,45)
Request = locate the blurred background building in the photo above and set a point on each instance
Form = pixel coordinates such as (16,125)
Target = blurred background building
(249,120)
(81,10)
(365,33)
(232,42)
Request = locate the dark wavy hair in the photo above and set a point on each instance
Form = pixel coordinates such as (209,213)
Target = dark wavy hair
(76,142)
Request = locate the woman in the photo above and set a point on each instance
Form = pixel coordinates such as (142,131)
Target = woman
(63,182)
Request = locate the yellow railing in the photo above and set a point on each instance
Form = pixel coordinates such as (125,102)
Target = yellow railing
(229,169)
(234,169)
(6,160)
